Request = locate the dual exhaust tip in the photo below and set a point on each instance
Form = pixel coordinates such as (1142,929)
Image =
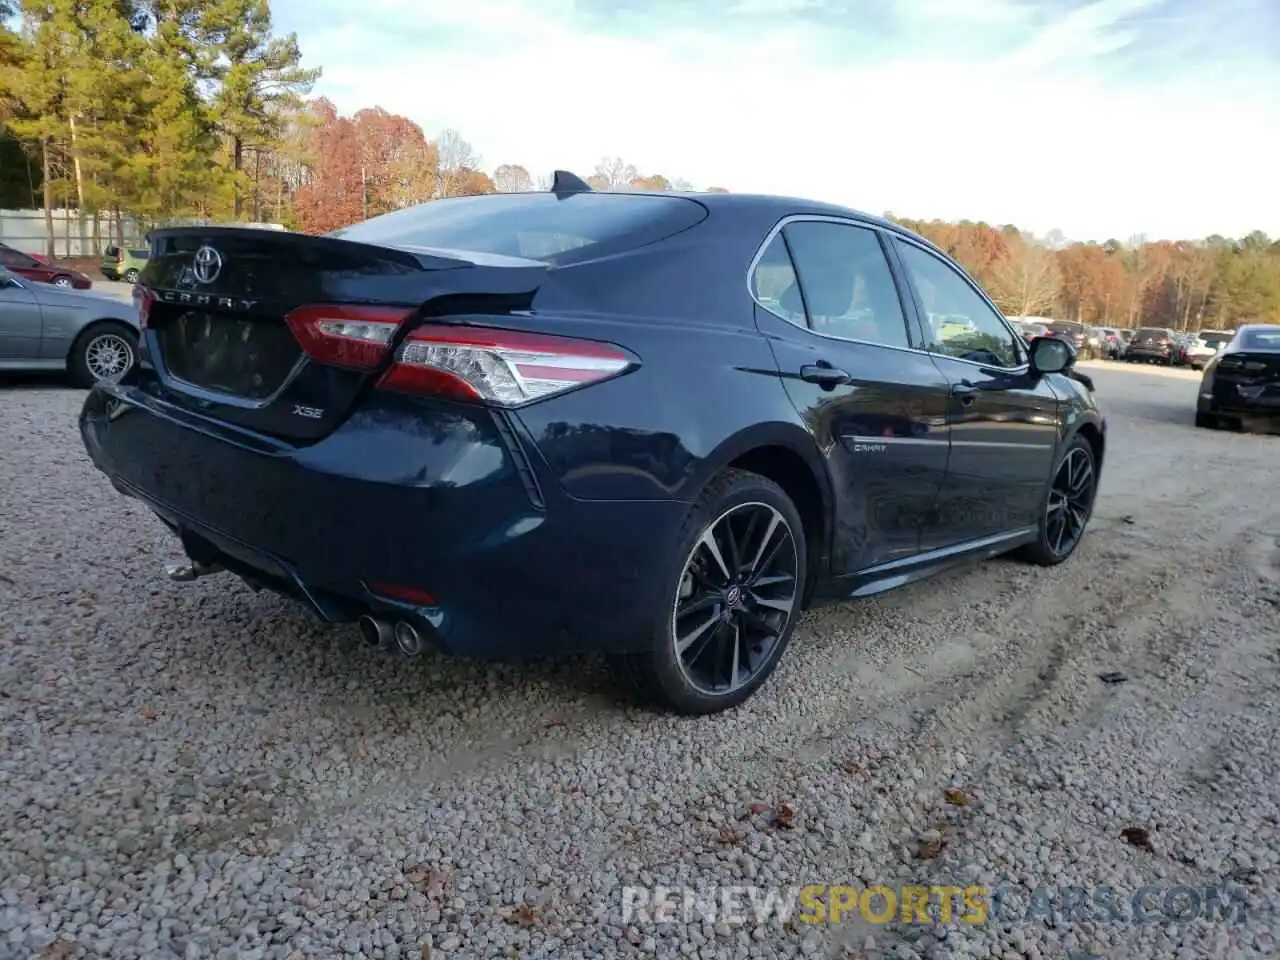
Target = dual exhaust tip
(400,635)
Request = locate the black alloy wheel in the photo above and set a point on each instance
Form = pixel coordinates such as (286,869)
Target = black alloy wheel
(738,586)
(737,594)
(1068,506)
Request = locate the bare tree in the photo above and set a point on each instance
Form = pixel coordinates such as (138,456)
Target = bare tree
(614,173)
(512,178)
(1026,282)
(455,158)
(545,182)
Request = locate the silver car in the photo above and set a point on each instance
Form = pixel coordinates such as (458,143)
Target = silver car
(42,327)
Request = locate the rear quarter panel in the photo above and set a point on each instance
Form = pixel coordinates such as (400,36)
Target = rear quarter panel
(707,387)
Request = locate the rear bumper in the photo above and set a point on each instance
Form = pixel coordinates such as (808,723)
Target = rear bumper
(1264,411)
(109,273)
(513,567)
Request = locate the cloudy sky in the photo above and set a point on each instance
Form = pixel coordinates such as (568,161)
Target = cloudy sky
(1100,118)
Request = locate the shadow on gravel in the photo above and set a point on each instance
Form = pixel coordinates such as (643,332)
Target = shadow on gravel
(34,381)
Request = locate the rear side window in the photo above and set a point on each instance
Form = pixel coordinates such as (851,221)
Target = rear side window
(140,254)
(836,281)
(537,226)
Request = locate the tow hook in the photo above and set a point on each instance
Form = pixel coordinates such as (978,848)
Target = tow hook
(191,570)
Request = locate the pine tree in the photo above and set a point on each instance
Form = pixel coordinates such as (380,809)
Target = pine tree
(259,80)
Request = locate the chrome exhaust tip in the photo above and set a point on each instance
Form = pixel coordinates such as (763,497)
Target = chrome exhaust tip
(186,572)
(374,632)
(408,639)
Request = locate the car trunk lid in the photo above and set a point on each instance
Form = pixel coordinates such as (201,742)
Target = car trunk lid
(236,319)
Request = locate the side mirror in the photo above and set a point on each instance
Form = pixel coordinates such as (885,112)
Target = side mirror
(1051,355)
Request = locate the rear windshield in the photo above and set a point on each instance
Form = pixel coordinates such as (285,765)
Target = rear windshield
(140,254)
(1066,327)
(1154,332)
(1216,337)
(1260,339)
(538,226)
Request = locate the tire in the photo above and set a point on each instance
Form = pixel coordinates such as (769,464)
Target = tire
(131,276)
(1042,551)
(1206,420)
(748,504)
(62,281)
(84,362)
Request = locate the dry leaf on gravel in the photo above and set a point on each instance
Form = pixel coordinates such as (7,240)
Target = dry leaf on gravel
(1137,837)
(524,915)
(757,808)
(148,714)
(58,950)
(852,766)
(957,797)
(429,882)
(785,817)
(731,836)
(931,845)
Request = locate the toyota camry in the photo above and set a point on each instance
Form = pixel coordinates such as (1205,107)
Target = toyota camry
(653,426)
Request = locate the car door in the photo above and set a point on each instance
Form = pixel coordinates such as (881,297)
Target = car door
(829,305)
(1004,420)
(20,319)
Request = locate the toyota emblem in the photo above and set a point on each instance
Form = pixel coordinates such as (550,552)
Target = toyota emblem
(207,265)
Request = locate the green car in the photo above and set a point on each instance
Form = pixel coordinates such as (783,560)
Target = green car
(121,264)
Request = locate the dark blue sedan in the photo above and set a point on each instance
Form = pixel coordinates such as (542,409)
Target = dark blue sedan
(655,426)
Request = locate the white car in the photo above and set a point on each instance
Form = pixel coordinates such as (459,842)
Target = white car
(1198,352)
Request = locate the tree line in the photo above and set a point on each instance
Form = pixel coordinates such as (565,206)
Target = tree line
(1214,283)
(164,110)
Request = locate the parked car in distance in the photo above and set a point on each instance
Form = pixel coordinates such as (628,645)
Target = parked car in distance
(120,263)
(651,425)
(40,270)
(1241,384)
(1191,351)
(1217,339)
(1072,332)
(47,328)
(1111,343)
(1030,330)
(1151,345)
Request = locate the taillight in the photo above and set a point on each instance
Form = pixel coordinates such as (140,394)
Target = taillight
(354,337)
(145,300)
(503,367)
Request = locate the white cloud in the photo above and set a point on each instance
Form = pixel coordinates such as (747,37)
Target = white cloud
(1034,137)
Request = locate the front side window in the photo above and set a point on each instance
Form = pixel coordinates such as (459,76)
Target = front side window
(958,322)
(848,290)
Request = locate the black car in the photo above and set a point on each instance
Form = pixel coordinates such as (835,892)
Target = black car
(1076,334)
(1152,345)
(654,425)
(1241,385)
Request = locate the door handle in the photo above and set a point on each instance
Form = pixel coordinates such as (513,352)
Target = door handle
(965,392)
(824,375)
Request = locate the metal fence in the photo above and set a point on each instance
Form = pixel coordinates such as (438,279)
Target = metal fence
(73,235)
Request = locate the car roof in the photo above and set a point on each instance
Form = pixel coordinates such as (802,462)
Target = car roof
(770,207)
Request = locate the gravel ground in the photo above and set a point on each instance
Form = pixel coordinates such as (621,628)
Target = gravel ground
(197,770)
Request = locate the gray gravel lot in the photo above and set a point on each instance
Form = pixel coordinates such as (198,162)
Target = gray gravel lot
(197,770)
